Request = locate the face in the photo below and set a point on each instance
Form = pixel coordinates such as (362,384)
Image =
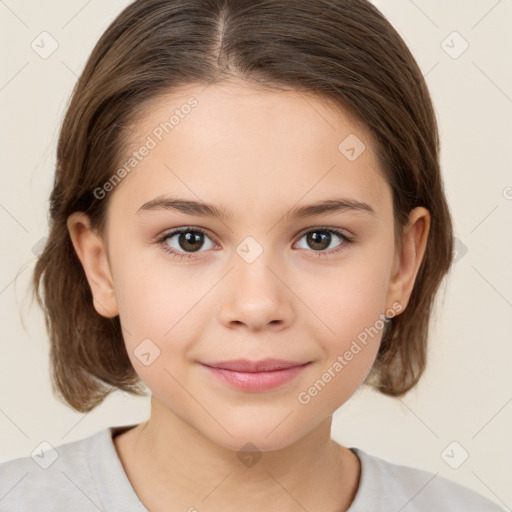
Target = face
(258,281)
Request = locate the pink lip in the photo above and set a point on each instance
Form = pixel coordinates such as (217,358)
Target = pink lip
(246,365)
(255,375)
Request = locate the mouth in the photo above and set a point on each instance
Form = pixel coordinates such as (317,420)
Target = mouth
(255,376)
(248,366)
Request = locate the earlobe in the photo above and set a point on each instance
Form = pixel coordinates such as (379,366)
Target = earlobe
(408,260)
(92,253)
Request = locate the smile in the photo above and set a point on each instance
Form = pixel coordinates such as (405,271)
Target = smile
(256,381)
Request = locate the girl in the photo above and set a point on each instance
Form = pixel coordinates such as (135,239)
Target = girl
(294,143)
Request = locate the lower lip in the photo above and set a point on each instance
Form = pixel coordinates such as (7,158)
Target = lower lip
(257,381)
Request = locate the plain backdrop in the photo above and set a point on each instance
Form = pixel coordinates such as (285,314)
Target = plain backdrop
(462,407)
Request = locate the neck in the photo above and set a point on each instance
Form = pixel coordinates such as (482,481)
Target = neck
(167,458)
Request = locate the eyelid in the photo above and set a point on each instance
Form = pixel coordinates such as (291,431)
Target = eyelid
(180,229)
(347,240)
(183,229)
(174,231)
(347,234)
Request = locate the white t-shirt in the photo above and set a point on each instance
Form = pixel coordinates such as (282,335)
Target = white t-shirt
(87,476)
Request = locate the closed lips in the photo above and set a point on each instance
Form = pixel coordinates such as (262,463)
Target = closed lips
(244,365)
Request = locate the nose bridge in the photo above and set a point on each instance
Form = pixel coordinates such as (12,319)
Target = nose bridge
(255,268)
(256,294)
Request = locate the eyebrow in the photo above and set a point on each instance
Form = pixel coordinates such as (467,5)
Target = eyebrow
(198,208)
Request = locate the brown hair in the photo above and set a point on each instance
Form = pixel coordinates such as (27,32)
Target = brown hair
(343,51)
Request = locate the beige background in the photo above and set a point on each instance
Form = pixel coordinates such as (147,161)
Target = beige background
(465,395)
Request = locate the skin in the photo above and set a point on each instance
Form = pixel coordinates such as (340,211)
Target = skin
(260,154)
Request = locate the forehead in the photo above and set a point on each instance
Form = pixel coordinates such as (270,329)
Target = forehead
(238,145)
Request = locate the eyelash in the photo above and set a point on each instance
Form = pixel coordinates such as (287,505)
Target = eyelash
(181,255)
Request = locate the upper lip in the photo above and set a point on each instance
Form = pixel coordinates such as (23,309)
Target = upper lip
(245,365)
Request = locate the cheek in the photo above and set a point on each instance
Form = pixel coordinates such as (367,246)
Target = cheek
(352,296)
(161,308)
(349,302)
(165,303)
(153,294)
(349,335)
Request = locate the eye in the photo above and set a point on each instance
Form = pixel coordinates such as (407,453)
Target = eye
(321,238)
(187,239)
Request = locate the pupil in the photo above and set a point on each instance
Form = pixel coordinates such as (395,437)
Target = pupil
(190,237)
(316,241)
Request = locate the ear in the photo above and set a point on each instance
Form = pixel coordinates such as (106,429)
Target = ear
(92,253)
(408,258)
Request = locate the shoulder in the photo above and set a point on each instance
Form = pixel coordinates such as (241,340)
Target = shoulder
(51,477)
(384,484)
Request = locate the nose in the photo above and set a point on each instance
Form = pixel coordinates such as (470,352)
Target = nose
(256,295)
